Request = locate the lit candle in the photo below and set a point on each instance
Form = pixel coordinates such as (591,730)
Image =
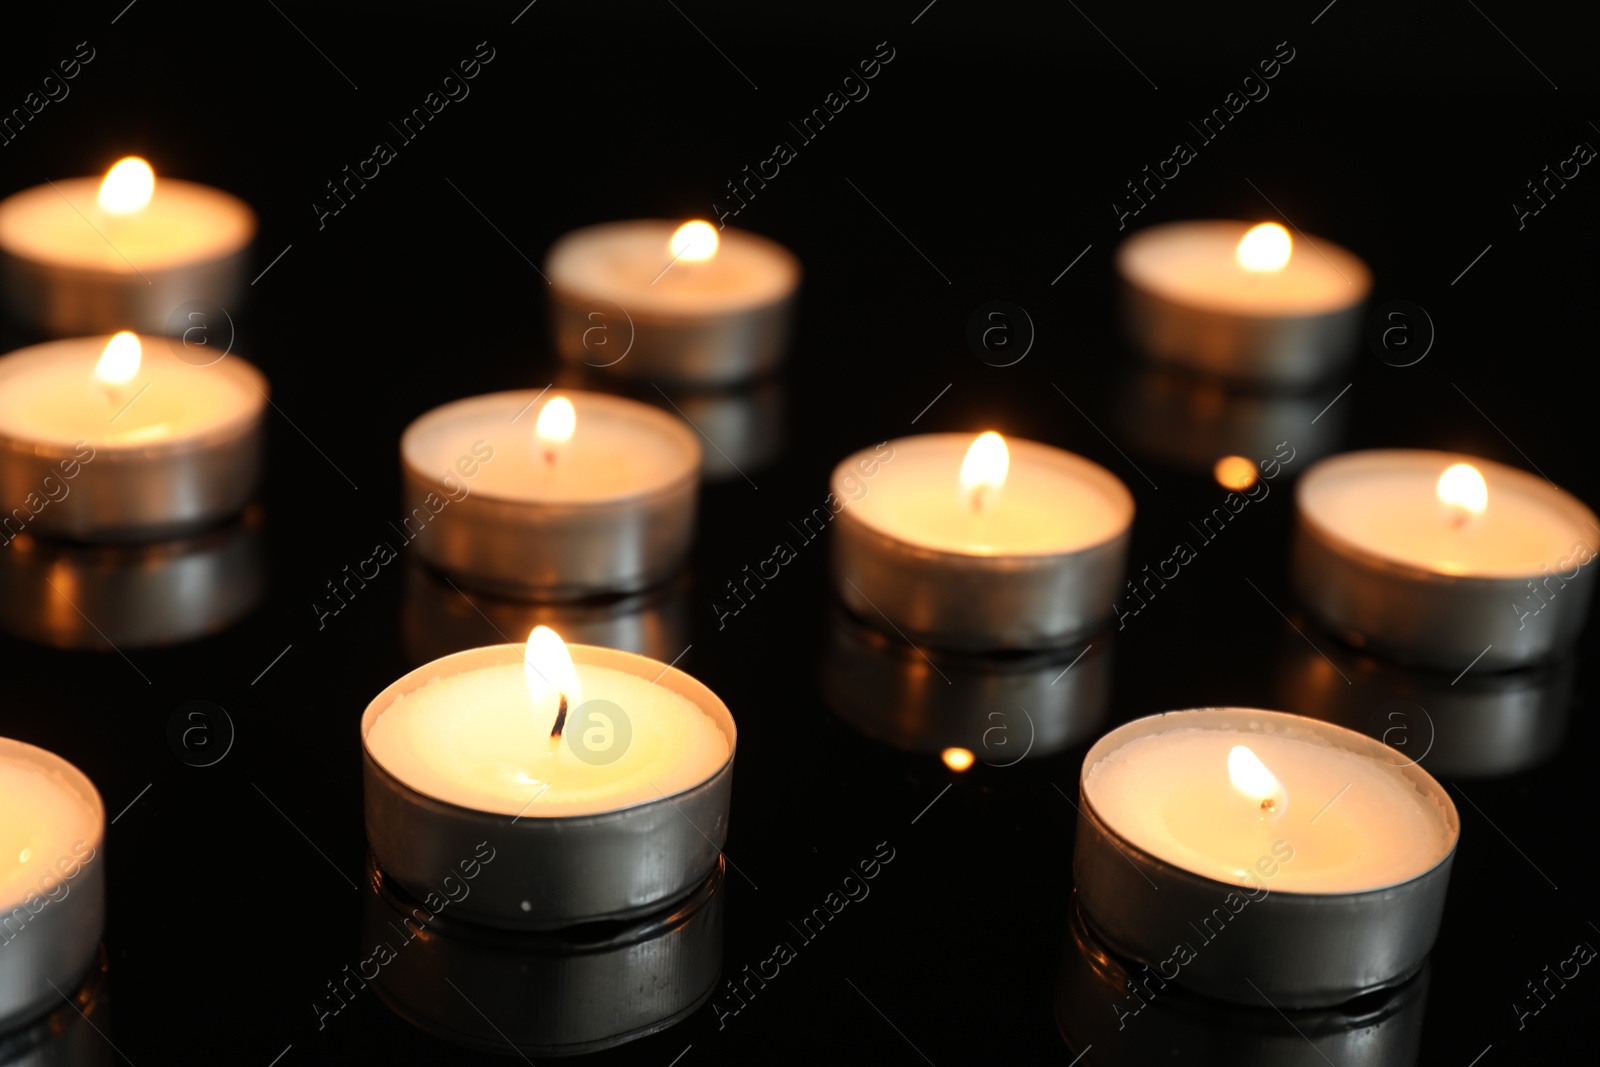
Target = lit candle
(653,299)
(1262,830)
(979,543)
(1242,301)
(119,439)
(52,889)
(85,255)
(557,496)
(603,777)
(1440,558)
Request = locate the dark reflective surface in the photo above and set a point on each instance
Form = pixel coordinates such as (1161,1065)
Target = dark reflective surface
(985,161)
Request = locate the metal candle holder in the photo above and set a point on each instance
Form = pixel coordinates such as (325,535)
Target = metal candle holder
(980,603)
(1302,950)
(551,872)
(57,943)
(141,492)
(1268,348)
(707,348)
(555,550)
(55,300)
(1425,617)
(544,994)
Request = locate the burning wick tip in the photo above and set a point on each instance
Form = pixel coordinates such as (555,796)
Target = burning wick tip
(561,719)
(1268,805)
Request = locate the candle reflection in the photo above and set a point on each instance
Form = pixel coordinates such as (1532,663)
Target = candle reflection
(963,709)
(438,618)
(579,990)
(1113,1014)
(132,596)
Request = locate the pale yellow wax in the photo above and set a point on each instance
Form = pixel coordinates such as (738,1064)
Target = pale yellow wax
(1052,501)
(64,226)
(1194,263)
(618,449)
(623,262)
(479,740)
(48,395)
(1352,822)
(47,827)
(1386,503)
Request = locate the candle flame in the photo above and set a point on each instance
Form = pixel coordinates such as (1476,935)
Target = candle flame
(1251,777)
(548,667)
(983,472)
(1264,248)
(128,187)
(557,419)
(693,242)
(1462,489)
(957,759)
(119,363)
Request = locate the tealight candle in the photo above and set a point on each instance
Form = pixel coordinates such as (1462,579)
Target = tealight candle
(558,497)
(1245,852)
(1443,560)
(1242,302)
(979,544)
(652,299)
(600,779)
(120,439)
(90,255)
(52,882)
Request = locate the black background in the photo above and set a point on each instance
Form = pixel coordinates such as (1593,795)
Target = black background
(995,141)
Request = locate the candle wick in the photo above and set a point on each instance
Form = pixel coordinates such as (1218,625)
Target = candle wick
(549,456)
(1460,518)
(561,719)
(977,499)
(1269,805)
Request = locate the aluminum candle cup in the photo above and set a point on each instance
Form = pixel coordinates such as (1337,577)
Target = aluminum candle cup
(436,620)
(550,869)
(994,710)
(69,1034)
(1027,553)
(652,300)
(1242,853)
(139,596)
(547,994)
(69,267)
(169,448)
(1443,560)
(1289,317)
(1135,1021)
(607,508)
(52,879)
